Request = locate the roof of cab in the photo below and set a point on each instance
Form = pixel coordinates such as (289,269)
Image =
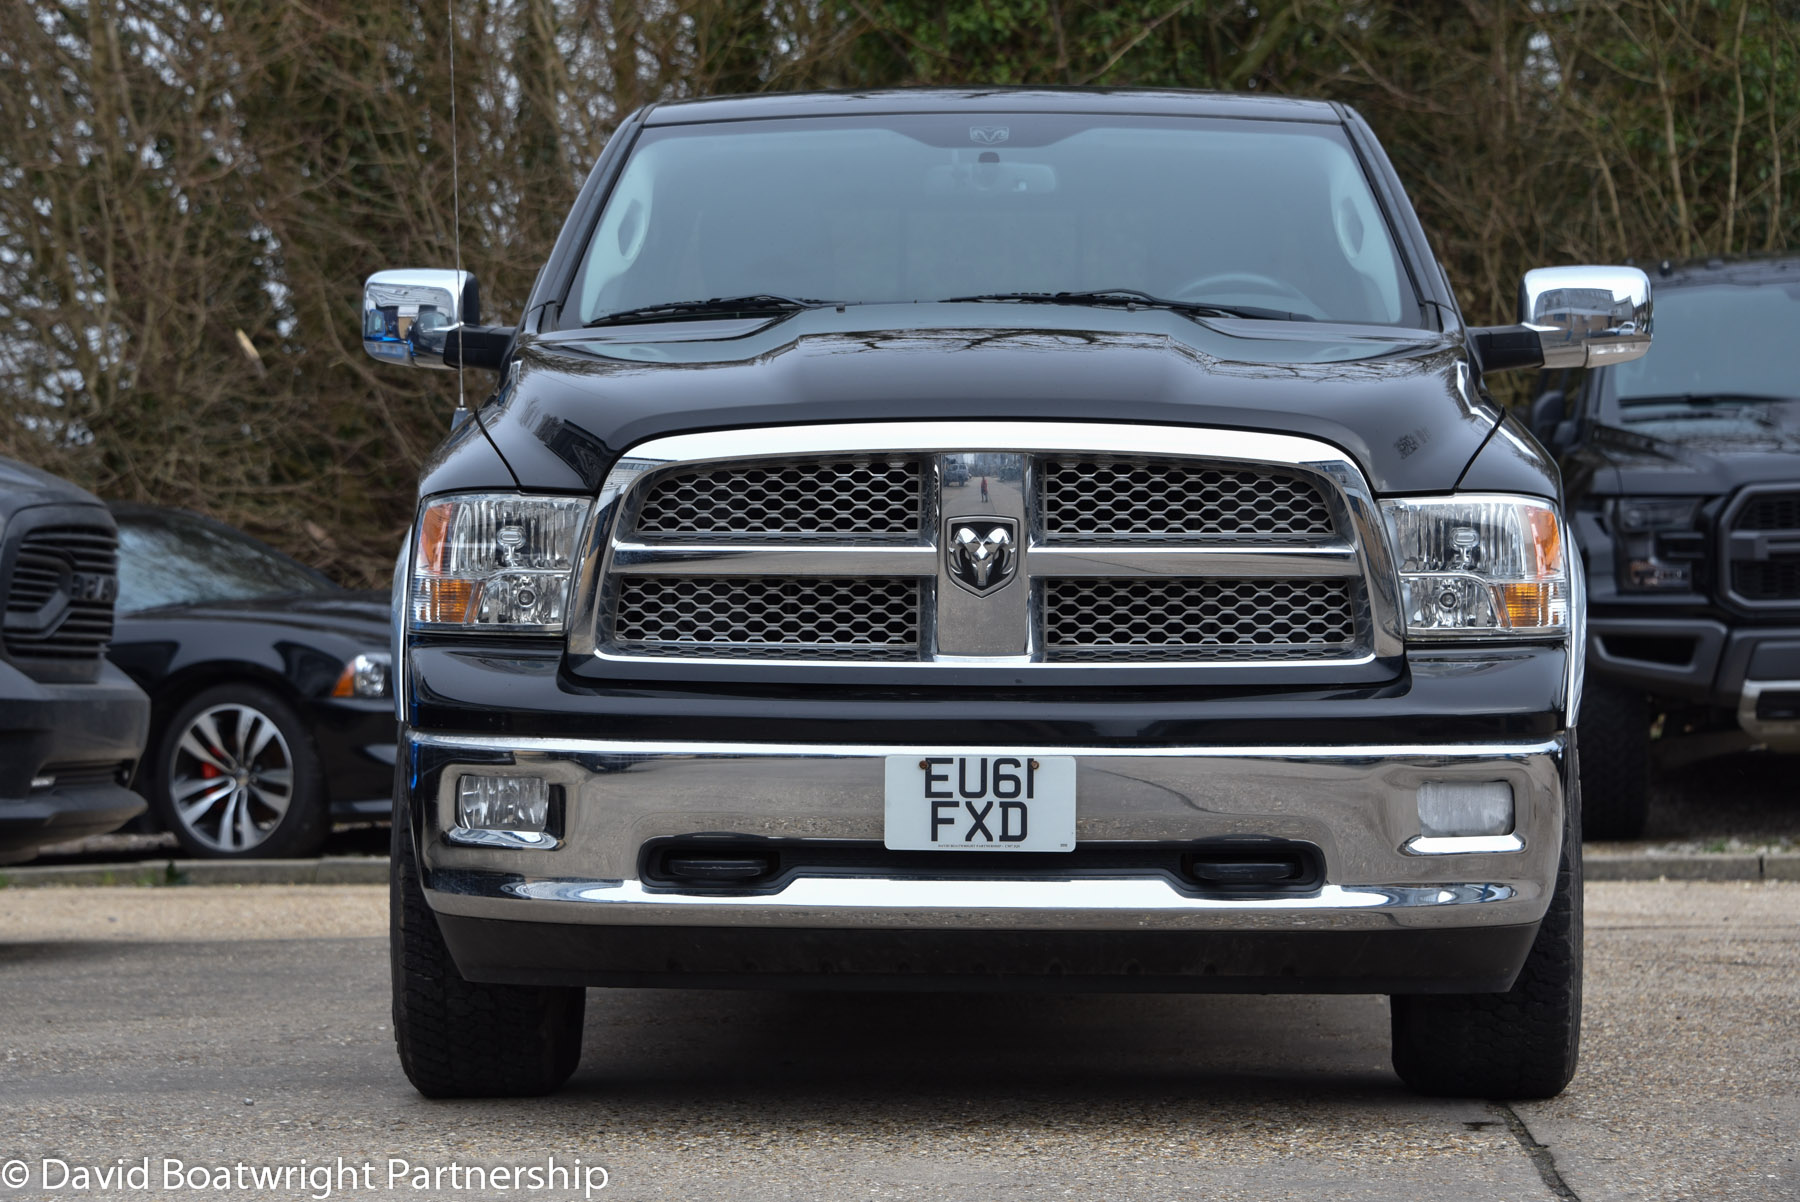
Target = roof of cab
(1145,102)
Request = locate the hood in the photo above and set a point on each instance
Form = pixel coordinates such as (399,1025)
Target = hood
(362,615)
(1401,402)
(1699,454)
(22,485)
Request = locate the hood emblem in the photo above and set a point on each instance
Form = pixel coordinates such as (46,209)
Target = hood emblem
(983,553)
(989,135)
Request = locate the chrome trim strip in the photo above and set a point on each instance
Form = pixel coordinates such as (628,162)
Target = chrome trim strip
(563,745)
(1341,481)
(945,437)
(790,559)
(512,840)
(1455,845)
(1115,893)
(1318,561)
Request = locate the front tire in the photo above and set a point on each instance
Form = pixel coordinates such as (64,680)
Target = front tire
(459,1038)
(1521,1044)
(1615,760)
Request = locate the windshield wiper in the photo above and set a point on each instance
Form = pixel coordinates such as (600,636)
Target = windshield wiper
(755,304)
(1132,296)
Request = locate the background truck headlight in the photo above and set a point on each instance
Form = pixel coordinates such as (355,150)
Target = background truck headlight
(1657,545)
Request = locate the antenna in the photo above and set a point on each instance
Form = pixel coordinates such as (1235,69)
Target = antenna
(455,199)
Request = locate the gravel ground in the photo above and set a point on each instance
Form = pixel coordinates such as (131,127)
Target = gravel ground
(224,1024)
(1742,802)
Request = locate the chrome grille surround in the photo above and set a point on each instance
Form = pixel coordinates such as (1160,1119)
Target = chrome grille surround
(1013,626)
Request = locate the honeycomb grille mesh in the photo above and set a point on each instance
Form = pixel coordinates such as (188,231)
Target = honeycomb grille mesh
(1145,619)
(836,499)
(769,617)
(1094,500)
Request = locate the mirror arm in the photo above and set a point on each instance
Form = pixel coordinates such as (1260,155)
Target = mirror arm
(1503,348)
(478,346)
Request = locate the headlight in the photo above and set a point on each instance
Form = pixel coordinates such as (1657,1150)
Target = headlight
(1480,565)
(496,561)
(1655,543)
(365,676)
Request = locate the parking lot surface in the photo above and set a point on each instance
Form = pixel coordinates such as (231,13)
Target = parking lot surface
(219,1025)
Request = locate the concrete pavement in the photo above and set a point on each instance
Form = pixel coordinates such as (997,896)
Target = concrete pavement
(219,1025)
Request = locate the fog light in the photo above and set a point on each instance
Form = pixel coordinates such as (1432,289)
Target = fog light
(1449,809)
(503,803)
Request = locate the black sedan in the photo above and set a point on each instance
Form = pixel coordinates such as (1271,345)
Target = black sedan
(272,713)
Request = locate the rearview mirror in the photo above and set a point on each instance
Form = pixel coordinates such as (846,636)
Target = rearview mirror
(408,315)
(1587,316)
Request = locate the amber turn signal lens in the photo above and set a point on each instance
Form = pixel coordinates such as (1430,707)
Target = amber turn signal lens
(445,601)
(1546,538)
(1529,606)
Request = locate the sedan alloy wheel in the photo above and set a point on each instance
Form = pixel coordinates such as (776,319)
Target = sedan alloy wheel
(231,778)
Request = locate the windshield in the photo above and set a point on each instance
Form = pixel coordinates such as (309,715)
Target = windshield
(1720,342)
(1275,216)
(172,559)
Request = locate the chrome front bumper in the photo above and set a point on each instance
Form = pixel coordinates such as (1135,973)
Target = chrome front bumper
(1356,803)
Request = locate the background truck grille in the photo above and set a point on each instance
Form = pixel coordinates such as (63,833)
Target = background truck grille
(1770,511)
(1762,548)
(862,498)
(1776,580)
(1192,618)
(769,617)
(1127,500)
(49,617)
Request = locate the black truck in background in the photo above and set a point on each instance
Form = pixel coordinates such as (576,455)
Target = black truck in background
(1682,472)
(72,725)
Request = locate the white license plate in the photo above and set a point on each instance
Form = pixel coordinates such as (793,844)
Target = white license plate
(980,803)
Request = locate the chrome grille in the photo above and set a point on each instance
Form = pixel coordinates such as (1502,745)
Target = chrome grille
(859,498)
(769,617)
(46,621)
(1140,619)
(1113,500)
(1132,545)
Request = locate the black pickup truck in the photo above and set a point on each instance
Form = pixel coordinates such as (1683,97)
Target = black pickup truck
(991,540)
(72,726)
(1683,478)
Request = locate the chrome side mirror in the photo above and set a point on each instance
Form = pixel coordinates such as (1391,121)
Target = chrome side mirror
(409,314)
(1587,316)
